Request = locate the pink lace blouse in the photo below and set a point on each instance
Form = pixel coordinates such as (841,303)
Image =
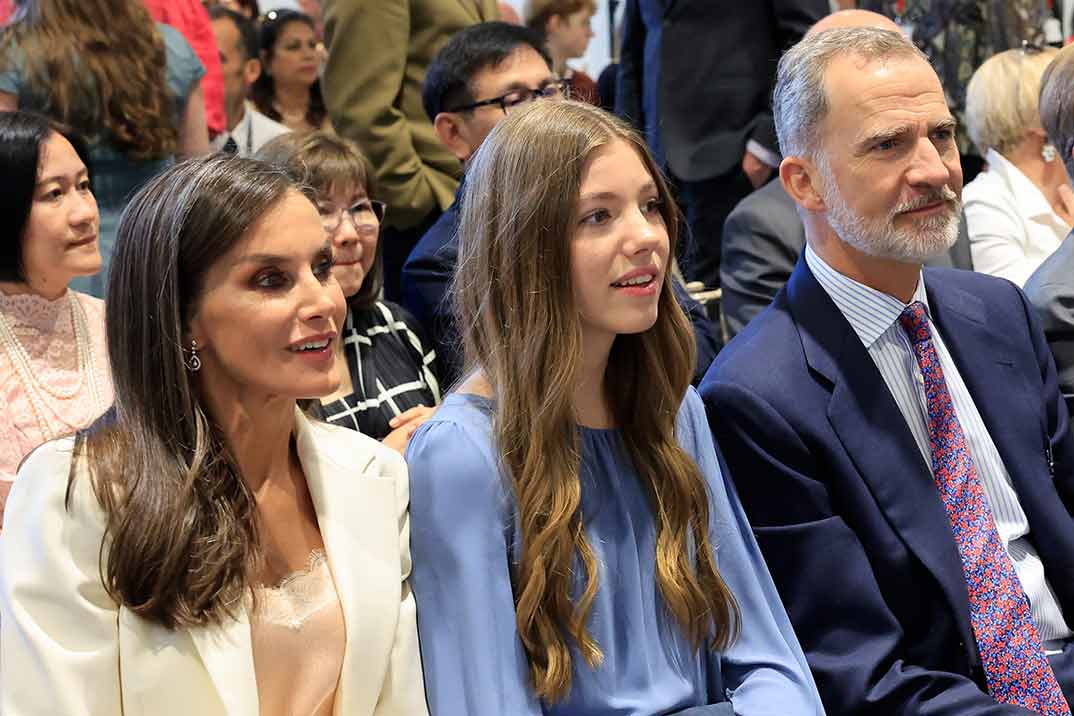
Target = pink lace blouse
(50,384)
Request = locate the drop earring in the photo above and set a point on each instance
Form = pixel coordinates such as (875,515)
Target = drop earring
(1048,153)
(193,362)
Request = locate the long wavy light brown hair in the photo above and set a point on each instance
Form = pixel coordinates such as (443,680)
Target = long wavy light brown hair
(181,542)
(522,330)
(97,64)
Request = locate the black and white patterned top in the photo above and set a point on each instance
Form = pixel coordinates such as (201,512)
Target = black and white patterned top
(392,366)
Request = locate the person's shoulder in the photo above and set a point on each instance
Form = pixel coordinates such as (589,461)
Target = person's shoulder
(1052,277)
(941,280)
(265,128)
(352,450)
(990,187)
(49,478)
(770,205)
(463,418)
(439,243)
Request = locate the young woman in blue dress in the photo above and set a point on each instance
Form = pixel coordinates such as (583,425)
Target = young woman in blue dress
(577,548)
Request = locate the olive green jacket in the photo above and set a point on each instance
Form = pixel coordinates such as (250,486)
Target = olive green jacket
(378,53)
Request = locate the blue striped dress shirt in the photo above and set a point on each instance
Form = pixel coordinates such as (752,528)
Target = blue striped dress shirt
(874,316)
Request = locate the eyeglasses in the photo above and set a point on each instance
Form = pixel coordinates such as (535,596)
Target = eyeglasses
(361,215)
(557,89)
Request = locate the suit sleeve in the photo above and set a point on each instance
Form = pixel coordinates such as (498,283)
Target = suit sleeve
(792,19)
(59,629)
(473,659)
(628,95)
(368,41)
(756,262)
(824,574)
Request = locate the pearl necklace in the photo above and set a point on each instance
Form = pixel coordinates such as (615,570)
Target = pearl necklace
(34,387)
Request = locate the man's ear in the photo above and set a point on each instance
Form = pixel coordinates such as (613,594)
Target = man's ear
(251,70)
(449,128)
(799,177)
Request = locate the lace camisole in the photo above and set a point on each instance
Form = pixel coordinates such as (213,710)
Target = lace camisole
(54,373)
(299,641)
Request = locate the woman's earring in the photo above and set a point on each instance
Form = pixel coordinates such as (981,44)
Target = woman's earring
(1049,153)
(193,363)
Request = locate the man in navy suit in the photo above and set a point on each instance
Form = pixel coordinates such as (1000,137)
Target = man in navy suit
(896,433)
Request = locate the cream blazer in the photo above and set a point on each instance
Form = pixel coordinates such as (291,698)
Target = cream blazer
(68,649)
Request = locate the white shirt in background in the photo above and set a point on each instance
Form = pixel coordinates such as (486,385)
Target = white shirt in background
(1011,225)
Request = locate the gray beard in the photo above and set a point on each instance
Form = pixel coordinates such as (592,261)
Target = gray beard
(925,239)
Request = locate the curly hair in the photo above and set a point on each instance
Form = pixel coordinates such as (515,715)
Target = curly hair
(97,65)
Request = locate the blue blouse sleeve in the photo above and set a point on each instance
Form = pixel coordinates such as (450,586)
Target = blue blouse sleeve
(764,672)
(473,660)
(184,67)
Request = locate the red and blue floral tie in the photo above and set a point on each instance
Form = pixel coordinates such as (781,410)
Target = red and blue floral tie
(1016,669)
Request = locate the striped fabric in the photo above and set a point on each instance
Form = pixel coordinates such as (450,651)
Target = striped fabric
(392,366)
(874,316)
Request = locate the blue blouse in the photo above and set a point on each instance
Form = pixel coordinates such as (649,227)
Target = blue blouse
(463,536)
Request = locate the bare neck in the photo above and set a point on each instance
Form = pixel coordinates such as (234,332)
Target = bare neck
(292,99)
(235,112)
(258,432)
(590,397)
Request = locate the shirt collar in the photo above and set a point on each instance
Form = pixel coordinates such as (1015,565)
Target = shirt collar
(1028,198)
(870,312)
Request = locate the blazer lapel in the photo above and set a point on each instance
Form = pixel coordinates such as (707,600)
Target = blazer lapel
(228,655)
(874,433)
(358,516)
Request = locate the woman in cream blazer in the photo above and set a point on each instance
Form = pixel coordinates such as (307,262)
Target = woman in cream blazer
(98,619)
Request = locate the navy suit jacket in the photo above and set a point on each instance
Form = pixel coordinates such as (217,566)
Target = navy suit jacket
(426,284)
(844,506)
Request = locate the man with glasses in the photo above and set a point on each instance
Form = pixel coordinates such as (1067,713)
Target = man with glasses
(483,73)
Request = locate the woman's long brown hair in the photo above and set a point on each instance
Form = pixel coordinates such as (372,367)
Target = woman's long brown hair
(181,538)
(98,64)
(521,328)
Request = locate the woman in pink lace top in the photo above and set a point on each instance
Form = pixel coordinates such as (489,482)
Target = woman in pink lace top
(54,375)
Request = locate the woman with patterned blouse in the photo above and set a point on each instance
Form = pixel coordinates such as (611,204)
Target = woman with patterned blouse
(388,368)
(54,375)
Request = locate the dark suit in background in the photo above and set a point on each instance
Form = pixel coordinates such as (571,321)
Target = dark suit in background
(847,512)
(1051,291)
(762,240)
(697,77)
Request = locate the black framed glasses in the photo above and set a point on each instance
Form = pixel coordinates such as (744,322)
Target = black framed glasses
(557,89)
(361,214)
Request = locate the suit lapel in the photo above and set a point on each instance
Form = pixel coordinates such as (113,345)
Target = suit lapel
(874,433)
(357,513)
(228,655)
(985,359)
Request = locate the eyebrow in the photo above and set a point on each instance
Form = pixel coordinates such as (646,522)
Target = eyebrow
(263,259)
(897,131)
(607,195)
(60,177)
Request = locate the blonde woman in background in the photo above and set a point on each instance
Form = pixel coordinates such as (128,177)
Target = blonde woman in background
(577,549)
(1018,210)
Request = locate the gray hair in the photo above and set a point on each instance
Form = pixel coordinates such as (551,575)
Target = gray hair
(1057,105)
(800,103)
(1001,98)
